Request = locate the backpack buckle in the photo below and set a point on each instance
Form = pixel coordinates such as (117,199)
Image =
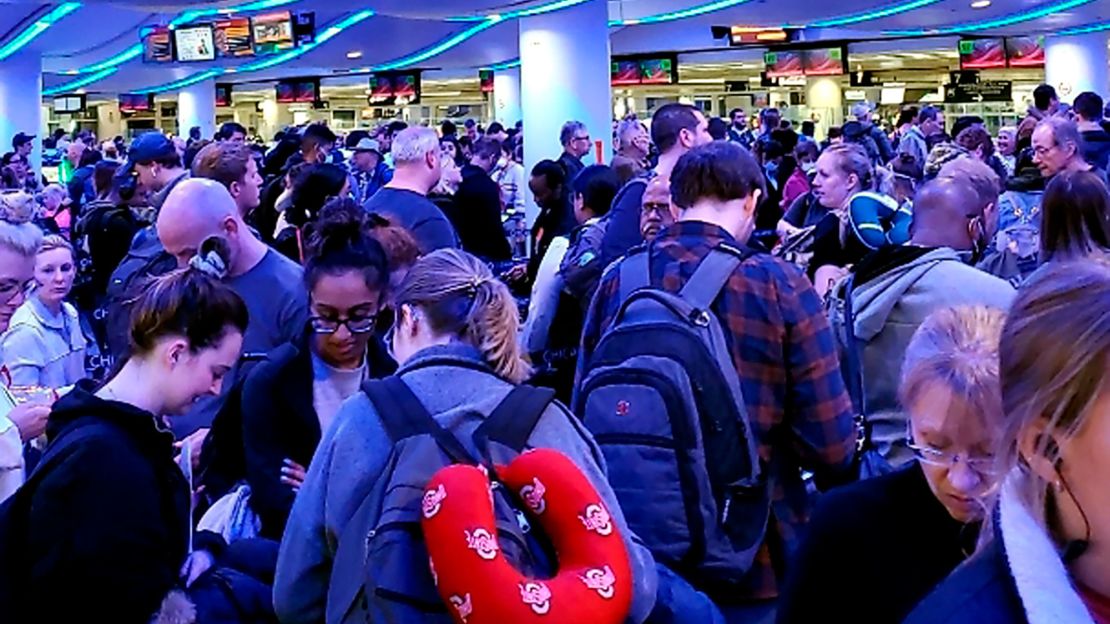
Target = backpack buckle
(700,318)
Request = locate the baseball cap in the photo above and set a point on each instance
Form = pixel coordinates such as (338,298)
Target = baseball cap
(21,139)
(146,148)
(861,108)
(368,145)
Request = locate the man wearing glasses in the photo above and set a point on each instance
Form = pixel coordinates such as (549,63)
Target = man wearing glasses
(576,144)
(1058,147)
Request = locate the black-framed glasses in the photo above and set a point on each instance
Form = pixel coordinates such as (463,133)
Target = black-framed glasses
(981,465)
(355,324)
(8,290)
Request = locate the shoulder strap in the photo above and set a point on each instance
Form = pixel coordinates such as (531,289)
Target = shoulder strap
(710,277)
(511,423)
(404,416)
(635,273)
(853,369)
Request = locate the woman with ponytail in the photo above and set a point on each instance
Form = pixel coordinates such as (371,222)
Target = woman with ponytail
(290,399)
(455,339)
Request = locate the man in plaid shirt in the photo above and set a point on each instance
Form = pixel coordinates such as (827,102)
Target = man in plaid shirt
(780,342)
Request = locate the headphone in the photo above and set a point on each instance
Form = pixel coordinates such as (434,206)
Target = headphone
(1073,549)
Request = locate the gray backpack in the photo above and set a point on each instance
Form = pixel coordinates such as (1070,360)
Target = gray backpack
(381,572)
(662,398)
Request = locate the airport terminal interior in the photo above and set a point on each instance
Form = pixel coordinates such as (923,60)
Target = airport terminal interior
(571,311)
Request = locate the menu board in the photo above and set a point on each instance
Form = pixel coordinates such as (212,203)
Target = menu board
(233,37)
(195,43)
(982,54)
(272,32)
(157,45)
(1025,51)
(783,63)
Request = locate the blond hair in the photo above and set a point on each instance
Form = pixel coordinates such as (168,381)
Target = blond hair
(958,348)
(459,295)
(853,159)
(50,242)
(17,233)
(1053,355)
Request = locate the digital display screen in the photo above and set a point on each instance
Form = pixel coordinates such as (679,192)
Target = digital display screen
(195,43)
(223,94)
(272,32)
(643,71)
(304,27)
(69,104)
(784,63)
(823,62)
(135,102)
(657,71)
(1025,51)
(388,89)
(158,45)
(485,80)
(292,91)
(625,72)
(233,37)
(982,54)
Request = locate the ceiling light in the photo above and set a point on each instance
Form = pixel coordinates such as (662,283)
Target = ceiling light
(980,4)
(354,54)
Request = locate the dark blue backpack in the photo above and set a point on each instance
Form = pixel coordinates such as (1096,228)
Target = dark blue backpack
(662,398)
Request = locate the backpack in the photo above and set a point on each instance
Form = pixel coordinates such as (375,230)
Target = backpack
(147,258)
(381,572)
(662,398)
(581,267)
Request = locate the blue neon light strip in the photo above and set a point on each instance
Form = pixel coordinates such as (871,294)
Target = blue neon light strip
(83,81)
(1083,30)
(502,66)
(870,15)
(37,28)
(998,22)
(671,16)
(136,50)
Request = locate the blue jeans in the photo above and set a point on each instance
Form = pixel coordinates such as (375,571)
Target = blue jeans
(677,602)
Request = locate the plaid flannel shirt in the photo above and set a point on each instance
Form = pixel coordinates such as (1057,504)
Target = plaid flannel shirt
(786,358)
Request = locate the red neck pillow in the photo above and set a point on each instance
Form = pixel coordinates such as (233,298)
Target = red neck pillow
(594,582)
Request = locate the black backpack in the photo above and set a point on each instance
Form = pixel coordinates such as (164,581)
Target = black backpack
(145,260)
(380,572)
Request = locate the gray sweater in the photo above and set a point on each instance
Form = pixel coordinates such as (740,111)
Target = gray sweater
(352,455)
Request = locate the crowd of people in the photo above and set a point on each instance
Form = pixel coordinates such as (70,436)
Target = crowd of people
(772,373)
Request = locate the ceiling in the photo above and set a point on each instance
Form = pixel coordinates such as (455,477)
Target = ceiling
(102,29)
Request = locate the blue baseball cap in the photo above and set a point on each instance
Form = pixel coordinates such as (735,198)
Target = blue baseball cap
(147,148)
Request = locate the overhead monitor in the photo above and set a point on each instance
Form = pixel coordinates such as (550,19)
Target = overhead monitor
(136,102)
(233,37)
(69,104)
(304,27)
(659,70)
(643,70)
(746,35)
(1025,51)
(624,72)
(982,54)
(394,89)
(157,45)
(892,96)
(783,63)
(194,43)
(824,61)
(223,94)
(272,32)
(485,80)
(298,90)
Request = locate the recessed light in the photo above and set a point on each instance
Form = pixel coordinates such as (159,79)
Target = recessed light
(357,54)
(980,4)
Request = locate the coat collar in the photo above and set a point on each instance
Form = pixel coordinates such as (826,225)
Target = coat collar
(1042,581)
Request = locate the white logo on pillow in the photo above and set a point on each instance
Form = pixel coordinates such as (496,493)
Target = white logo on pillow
(483,543)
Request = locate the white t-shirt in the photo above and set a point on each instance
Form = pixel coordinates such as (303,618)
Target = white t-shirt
(331,387)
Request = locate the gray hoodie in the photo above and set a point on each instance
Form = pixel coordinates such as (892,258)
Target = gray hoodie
(888,309)
(352,456)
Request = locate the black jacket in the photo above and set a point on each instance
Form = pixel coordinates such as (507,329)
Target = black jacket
(1096,147)
(280,421)
(108,527)
(476,215)
(885,542)
(571,165)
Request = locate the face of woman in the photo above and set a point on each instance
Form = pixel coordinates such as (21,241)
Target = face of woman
(449,149)
(54,271)
(954,448)
(831,185)
(192,375)
(451,174)
(343,301)
(1084,465)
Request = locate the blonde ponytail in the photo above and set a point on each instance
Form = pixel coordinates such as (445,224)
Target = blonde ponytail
(460,296)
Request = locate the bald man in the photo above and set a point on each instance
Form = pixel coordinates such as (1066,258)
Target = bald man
(897,288)
(271,285)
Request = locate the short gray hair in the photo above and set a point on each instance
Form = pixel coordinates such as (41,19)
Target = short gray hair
(413,144)
(1064,131)
(626,128)
(17,233)
(569,130)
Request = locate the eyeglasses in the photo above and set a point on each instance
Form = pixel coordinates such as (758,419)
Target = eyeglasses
(582,138)
(656,208)
(355,324)
(9,290)
(981,465)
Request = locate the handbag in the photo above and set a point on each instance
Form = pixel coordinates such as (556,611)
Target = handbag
(868,459)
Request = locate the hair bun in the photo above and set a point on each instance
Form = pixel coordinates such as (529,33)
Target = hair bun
(342,224)
(17,208)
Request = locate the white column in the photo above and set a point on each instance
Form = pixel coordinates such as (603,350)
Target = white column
(825,101)
(1076,64)
(21,101)
(564,75)
(196,106)
(506,97)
